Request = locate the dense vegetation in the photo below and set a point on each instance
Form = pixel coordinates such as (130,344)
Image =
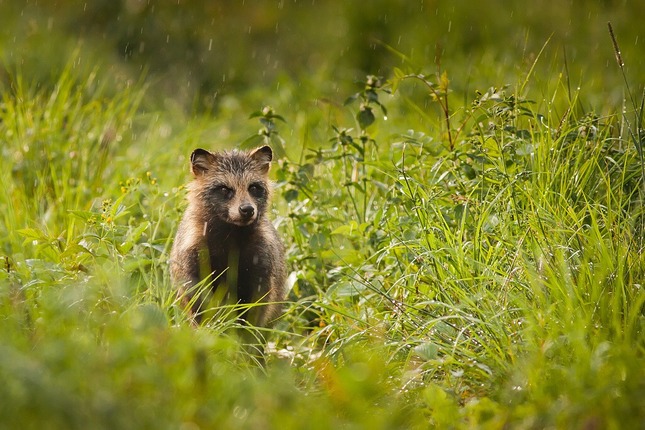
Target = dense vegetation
(464,231)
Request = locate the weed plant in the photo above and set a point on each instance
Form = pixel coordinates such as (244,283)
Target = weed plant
(479,267)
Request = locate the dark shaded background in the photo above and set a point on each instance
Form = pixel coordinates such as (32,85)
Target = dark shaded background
(196,51)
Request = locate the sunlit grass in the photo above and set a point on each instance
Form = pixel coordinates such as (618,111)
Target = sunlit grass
(485,271)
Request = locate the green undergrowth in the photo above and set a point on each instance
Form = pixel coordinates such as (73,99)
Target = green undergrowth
(453,264)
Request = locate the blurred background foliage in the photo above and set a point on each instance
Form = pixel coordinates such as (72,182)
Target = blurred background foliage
(478,265)
(194,53)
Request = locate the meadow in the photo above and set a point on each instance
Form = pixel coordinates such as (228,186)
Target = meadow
(464,237)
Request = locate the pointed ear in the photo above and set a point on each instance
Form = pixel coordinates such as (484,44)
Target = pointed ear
(263,157)
(200,161)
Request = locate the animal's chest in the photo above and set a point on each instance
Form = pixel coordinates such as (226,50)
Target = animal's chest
(237,265)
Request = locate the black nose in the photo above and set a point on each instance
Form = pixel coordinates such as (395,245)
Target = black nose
(247,210)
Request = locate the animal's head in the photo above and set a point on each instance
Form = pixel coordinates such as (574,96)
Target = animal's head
(233,186)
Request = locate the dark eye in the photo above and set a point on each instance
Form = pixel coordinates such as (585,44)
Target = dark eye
(224,191)
(256,190)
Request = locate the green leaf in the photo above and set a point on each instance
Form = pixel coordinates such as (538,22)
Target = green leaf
(267,122)
(346,229)
(290,195)
(427,351)
(133,237)
(252,141)
(371,96)
(351,99)
(83,215)
(31,234)
(383,109)
(365,117)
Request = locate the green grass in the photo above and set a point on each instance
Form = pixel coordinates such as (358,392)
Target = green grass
(468,262)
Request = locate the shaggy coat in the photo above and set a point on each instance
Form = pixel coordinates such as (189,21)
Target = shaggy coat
(225,238)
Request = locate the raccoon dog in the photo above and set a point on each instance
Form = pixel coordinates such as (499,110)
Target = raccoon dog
(225,238)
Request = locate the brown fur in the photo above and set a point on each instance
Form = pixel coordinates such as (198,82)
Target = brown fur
(225,235)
